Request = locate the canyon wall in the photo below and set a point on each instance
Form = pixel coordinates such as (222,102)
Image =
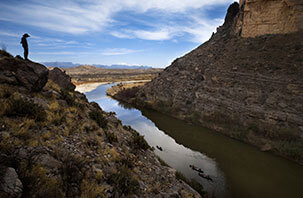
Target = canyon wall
(249,88)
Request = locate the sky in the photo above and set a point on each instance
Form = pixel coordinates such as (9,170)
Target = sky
(132,32)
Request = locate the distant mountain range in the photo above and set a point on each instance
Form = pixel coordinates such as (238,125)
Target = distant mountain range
(116,66)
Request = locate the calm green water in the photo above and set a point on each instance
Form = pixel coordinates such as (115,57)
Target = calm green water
(238,170)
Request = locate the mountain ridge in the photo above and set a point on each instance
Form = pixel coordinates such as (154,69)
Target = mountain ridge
(113,66)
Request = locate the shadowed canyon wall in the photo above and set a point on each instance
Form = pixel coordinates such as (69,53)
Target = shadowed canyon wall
(248,87)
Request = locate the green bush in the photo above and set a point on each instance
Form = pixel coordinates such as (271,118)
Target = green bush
(123,181)
(99,118)
(139,141)
(25,108)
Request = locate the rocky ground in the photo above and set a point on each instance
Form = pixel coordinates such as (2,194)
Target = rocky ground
(250,89)
(54,143)
(92,74)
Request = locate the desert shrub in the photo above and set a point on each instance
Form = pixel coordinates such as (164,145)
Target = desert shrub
(80,105)
(193,183)
(111,137)
(99,118)
(90,128)
(90,189)
(72,170)
(128,93)
(65,95)
(127,162)
(139,141)
(123,181)
(59,119)
(37,175)
(92,142)
(25,108)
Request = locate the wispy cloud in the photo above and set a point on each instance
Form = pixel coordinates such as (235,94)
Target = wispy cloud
(162,34)
(9,34)
(199,29)
(82,16)
(121,35)
(106,52)
(118,51)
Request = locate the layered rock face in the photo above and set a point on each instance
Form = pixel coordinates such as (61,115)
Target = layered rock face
(261,17)
(248,88)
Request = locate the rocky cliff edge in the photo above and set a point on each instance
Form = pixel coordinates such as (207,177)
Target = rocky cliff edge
(54,143)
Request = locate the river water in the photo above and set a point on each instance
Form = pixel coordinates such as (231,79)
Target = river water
(237,169)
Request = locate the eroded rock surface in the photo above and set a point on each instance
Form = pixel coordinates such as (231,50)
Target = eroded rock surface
(261,17)
(17,71)
(61,78)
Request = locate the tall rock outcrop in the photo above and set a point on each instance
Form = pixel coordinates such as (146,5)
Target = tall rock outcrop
(17,71)
(261,17)
(250,89)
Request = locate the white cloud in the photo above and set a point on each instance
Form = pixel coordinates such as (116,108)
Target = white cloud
(199,29)
(163,34)
(170,5)
(121,35)
(118,51)
(82,16)
(9,34)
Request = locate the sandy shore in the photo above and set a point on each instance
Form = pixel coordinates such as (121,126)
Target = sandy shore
(87,87)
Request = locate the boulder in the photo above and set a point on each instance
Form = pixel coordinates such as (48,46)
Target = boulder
(10,184)
(17,71)
(61,78)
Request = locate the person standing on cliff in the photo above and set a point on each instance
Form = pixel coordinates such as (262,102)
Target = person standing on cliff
(25,45)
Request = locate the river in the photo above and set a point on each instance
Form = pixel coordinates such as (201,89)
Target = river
(237,169)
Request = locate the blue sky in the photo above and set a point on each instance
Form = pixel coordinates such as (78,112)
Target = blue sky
(134,32)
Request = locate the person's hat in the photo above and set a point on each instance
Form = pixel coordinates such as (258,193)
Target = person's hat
(26,35)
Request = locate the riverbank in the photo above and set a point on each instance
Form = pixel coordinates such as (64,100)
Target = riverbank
(290,148)
(230,163)
(92,74)
(114,90)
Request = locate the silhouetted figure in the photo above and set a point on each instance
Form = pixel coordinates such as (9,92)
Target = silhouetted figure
(25,45)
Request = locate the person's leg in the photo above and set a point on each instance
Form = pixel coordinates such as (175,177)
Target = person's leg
(25,53)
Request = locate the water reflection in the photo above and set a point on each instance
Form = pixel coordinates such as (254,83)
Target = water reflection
(237,169)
